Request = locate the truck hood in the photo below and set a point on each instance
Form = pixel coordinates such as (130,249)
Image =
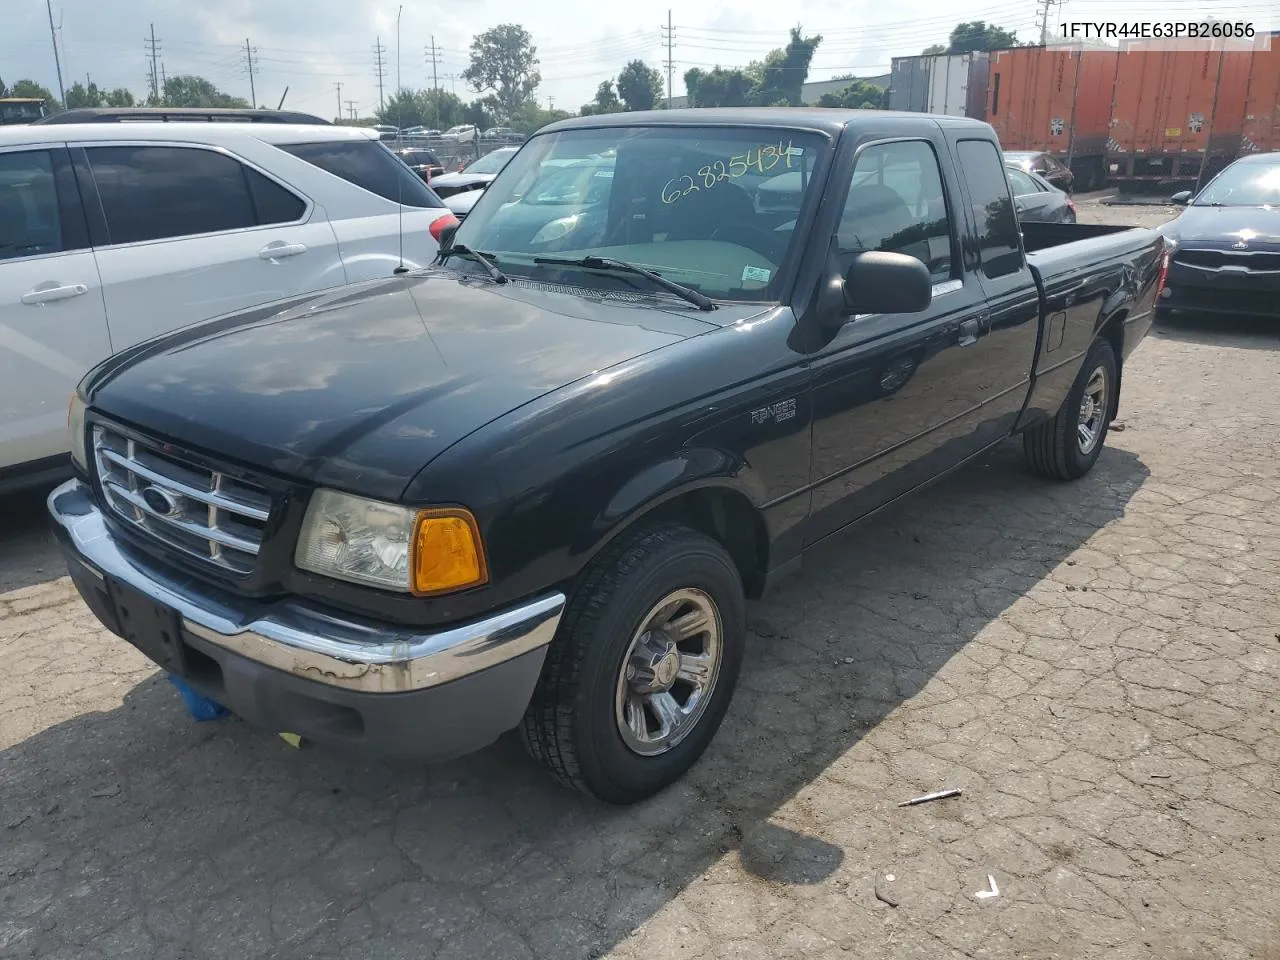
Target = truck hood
(361,387)
(1226,225)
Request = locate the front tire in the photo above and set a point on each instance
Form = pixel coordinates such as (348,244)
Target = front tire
(1067,446)
(643,667)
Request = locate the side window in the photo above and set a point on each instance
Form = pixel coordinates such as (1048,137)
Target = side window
(149,193)
(368,164)
(896,203)
(993,214)
(1021,183)
(29,219)
(272,202)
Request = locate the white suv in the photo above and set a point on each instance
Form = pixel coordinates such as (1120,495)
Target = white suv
(112,233)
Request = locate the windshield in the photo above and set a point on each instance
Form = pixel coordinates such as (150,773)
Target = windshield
(1243,185)
(490,162)
(712,208)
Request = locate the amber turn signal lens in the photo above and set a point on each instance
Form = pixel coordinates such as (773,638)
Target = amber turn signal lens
(446,552)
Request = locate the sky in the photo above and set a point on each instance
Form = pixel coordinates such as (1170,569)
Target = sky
(310,46)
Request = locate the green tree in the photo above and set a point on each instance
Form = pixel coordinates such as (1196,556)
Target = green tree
(858,95)
(782,75)
(934,49)
(29,88)
(979,35)
(81,96)
(533,118)
(404,108)
(119,97)
(504,63)
(605,101)
(189,90)
(718,87)
(639,86)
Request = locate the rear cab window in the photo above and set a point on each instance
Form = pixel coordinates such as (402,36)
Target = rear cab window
(161,192)
(994,219)
(367,164)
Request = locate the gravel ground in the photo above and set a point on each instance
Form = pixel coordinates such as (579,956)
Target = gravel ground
(1095,665)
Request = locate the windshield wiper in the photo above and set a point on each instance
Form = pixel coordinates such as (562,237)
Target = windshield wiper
(699,300)
(489,266)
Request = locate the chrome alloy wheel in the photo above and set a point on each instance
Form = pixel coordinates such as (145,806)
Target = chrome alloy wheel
(1093,411)
(669,672)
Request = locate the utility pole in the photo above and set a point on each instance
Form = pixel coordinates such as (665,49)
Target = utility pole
(1044,18)
(398,12)
(154,49)
(339,86)
(163,81)
(248,53)
(670,38)
(434,59)
(380,71)
(351,109)
(57,60)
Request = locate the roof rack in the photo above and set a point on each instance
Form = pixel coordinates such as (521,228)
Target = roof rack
(178,114)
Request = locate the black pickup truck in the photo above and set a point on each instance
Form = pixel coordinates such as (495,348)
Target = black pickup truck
(531,486)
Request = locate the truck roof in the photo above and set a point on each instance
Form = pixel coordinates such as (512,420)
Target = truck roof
(824,119)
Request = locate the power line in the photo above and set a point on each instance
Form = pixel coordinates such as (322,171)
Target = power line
(433,58)
(154,50)
(1044,18)
(248,53)
(380,70)
(669,36)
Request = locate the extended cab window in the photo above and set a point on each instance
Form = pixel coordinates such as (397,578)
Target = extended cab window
(152,193)
(368,164)
(993,214)
(896,203)
(29,221)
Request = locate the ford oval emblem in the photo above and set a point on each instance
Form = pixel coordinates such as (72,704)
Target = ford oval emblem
(1240,245)
(161,502)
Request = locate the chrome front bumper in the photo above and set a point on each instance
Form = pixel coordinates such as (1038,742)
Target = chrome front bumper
(338,651)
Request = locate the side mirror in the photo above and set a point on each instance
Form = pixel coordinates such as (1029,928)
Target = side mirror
(881,282)
(446,235)
(1182,196)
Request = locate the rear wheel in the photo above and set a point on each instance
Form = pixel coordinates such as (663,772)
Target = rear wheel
(643,666)
(1067,446)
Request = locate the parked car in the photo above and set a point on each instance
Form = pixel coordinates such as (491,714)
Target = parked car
(1035,198)
(1226,244)
(81,115)
(189,220)
(1043,164)
(476,175)
(502,135)
(531,486)
(422,162)
(462,133)
(383,128)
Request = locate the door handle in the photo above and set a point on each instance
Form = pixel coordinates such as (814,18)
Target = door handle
(279,250)
(45,293)
(969,330)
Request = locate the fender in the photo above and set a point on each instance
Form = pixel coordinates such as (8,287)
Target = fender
(658,484)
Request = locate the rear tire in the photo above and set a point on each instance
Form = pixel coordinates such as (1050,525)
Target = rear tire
(643,666)
(1066,446)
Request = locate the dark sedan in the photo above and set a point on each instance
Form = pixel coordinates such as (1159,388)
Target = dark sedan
(1042,164)
(1039,201)
(424,163)
(1226,255)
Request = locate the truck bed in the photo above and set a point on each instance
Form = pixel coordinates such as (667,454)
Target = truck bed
(1039,236)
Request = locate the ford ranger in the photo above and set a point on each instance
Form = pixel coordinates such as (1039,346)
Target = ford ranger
(531,486)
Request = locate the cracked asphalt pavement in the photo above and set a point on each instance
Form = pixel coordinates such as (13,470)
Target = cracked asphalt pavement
(1095,665)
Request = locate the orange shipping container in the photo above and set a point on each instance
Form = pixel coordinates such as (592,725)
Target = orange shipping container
(1056,99)
(1261,132)
(1177,114)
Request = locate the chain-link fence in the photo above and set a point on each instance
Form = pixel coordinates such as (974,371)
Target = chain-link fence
(453,154)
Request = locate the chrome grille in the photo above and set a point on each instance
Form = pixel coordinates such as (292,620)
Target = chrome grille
(201,512)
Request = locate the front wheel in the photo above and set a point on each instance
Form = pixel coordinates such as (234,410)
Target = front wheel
(1067,446)
(644,664)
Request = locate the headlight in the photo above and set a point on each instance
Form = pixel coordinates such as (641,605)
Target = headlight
(556,229)
(75,427)
(389,546)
